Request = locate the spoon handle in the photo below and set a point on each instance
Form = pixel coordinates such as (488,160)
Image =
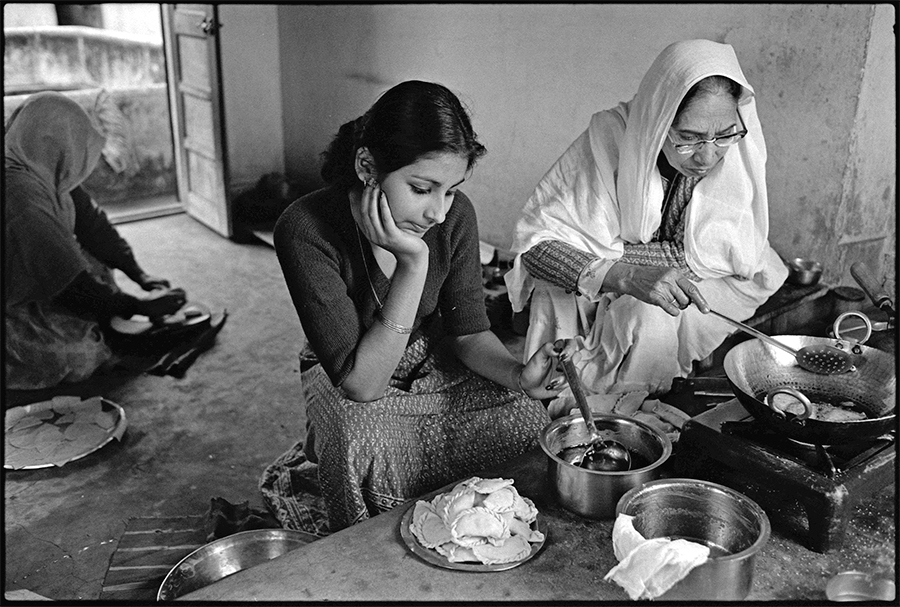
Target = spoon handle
(578,391)
(755,333)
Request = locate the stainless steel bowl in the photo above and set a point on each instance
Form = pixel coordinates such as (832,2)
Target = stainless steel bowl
(860,586)
(216,560)
(804,272)
(595,493)
(731,524)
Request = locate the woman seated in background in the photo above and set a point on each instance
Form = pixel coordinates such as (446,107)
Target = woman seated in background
(659,204)
(60,250)
(412,390)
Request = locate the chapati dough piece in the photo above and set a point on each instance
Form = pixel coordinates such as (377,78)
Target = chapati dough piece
(24,439)
(106,419)
(85,434)
(29,421)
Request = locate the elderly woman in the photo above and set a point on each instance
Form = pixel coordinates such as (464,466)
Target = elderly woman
(659,204)
(59,250)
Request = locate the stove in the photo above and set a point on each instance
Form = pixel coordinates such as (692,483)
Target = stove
(789,480)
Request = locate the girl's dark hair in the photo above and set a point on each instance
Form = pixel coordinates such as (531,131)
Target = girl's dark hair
(409,121)
(711,85)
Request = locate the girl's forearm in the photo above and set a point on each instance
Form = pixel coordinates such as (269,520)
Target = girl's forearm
(486,355)
(382,346)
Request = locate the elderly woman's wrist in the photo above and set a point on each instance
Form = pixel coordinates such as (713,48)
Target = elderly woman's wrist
(616,278)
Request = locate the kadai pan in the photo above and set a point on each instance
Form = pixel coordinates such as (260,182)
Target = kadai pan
(755,370)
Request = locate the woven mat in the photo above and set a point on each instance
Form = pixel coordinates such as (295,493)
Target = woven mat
(147,551)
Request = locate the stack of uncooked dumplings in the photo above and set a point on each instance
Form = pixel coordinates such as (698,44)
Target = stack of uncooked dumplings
(479,521)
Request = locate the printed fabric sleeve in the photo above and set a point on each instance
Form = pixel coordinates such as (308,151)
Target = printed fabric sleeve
(660,254)
(590,282)
(558,263)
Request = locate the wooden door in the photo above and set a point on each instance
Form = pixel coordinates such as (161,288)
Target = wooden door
(191,38)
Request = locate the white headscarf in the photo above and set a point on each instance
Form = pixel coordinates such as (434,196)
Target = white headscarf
(605,191)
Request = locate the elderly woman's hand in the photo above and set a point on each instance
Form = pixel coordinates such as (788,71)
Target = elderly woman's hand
(162,303)
(665,287)
(151,283)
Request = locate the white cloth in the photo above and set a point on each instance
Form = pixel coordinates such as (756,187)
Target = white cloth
(649,568)
(606,191)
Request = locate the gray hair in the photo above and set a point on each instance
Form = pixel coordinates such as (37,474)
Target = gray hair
(709,86)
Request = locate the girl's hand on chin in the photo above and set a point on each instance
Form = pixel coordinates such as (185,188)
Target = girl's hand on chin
(377,223)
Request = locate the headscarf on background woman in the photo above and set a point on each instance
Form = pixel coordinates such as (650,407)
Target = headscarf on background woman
(606,191)
(51,147)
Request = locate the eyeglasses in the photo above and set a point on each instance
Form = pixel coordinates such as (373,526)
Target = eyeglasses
(720,142)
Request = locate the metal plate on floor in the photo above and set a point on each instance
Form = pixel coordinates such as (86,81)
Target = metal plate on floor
(58,431)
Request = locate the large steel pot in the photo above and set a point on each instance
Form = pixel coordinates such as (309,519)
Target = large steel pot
(595,493)
(756,370)
(734,527)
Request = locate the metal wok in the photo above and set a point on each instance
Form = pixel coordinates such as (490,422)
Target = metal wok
(755,370)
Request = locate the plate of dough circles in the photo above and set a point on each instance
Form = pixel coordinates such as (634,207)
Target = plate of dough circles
(58,431)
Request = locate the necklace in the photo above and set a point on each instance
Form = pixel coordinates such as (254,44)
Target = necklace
(366,266)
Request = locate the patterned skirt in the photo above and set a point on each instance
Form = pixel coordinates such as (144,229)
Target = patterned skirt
(437,423)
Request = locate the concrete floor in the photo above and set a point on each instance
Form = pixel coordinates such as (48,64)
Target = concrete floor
(189,440)
(212,433)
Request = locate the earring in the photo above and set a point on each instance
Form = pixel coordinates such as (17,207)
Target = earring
(370,182)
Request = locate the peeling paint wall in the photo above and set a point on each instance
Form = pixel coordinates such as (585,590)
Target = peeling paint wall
(533,75)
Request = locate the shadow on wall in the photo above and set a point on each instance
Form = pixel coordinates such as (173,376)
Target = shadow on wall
(119,81)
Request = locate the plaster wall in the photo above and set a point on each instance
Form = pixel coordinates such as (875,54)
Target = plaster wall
(533,75)
(252,97)
(868,209)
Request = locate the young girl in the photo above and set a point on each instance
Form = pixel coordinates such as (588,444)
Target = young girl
(411,390)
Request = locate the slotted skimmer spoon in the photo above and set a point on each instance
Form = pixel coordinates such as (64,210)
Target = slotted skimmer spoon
(822,359)
(601,454)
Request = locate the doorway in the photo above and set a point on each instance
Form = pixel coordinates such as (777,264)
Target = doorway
(110,59)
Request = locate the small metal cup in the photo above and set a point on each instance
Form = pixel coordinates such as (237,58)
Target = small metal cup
(804,272)
(860,586)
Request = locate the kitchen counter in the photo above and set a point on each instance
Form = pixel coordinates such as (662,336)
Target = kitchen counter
(370,562)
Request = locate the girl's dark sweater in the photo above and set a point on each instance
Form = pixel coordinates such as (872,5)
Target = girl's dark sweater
(319,251)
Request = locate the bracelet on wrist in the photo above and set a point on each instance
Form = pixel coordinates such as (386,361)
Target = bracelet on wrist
(390,324)
(519,383)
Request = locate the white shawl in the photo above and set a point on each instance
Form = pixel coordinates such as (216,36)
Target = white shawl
(605,190)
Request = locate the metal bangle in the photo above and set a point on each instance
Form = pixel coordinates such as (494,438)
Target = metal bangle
(519,383)
(390,324)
